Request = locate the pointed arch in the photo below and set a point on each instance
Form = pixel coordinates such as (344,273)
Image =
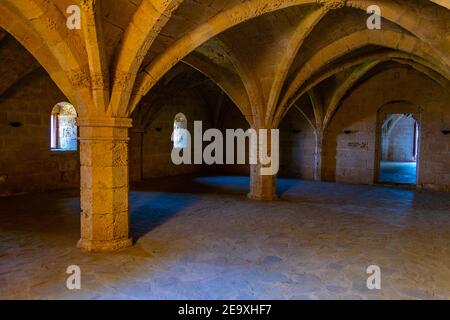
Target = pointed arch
(401,57)
(98,70)
(304,28)
(41,28)
(188,43)
(406,14)
(253,8)
(18,27)
(343,88)
(387,39)
(145,26)
(227,81)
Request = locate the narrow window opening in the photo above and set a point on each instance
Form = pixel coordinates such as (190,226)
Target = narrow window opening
(63,129)
(179,136)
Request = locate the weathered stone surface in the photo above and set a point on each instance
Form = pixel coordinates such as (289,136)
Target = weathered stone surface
(311,68)
(104,184)
(214,243)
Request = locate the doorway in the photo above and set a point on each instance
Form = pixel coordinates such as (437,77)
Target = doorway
(399,149)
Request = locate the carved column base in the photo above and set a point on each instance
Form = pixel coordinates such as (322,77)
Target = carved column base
(103,246)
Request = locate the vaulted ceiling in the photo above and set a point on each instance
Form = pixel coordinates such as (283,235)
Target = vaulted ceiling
(264,54)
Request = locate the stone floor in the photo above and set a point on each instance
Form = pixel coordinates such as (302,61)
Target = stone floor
(398,172)
(200,238)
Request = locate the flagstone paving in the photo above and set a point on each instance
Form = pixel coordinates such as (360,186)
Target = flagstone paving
(201,238)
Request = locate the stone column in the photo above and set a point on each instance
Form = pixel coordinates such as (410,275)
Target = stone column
(318,154)
(263,187)
(136,145)
(104,183)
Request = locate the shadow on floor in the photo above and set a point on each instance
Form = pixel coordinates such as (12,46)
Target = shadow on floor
(232,185)
(155,201)
(49,213)
(152,209)
(196,185)
(211,242)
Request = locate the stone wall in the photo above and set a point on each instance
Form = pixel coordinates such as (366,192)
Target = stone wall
(233,119)
(26,162)
(297,145)
(28,165)
(351,141)
(398,143)
(157,144)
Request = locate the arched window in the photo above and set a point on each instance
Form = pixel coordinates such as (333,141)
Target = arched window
(179,137)
(63,129)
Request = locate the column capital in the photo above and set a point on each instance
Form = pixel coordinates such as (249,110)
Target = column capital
(104,122)
(105,129)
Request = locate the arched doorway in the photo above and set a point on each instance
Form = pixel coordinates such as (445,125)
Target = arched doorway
(398,145)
